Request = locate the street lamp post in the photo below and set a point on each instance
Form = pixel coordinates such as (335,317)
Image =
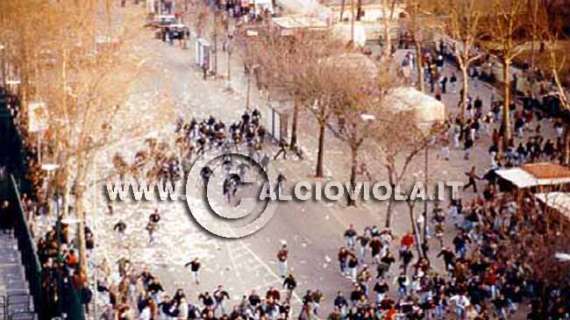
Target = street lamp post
(229,49)
(426,178)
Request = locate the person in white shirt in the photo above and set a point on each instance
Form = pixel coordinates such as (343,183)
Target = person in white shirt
(461,302)
(183,309)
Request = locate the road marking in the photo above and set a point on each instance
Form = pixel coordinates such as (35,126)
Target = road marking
(266,267)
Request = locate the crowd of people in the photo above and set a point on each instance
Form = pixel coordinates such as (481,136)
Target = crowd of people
(494,261)
(491,247)
(172,161)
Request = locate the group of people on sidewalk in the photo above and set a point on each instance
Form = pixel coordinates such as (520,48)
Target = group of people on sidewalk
(494,261)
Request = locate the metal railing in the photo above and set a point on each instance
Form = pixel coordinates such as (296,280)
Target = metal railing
(14,151)
(26,244)
(69,302)
(3,307)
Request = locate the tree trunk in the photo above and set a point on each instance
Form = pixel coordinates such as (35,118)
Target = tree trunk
(81,233)
(420,66)
(320,154)
(389,213)
(342,4)
(390,200)
(229,50)
(387,39)
(426,181)
(248,90)
(534,9)
(215,41)
(353,166)
(79,191)
(413,219)
(465,88)
(507,101)
(415,231)
(293,143)
(352,22)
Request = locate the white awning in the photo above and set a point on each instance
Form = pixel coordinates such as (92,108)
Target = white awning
(522,179)
(428,110)
(559,201)
(518,177)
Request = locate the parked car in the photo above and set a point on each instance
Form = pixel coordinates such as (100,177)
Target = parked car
(161,21)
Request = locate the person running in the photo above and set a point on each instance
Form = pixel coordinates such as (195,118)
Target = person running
(152,225)
(151,229)
(381,288)
(352,266)
(290,283)
(120,227)
(282,150)
(194,269)
(350,237)
(207,300)
(472,176)
(282,256)
(220,295)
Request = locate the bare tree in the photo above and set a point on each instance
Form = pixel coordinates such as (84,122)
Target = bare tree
(548,30)
(464,29)
(323,88)
(294,64)
(400,141)
(411,203)
(388,18)
(197,14)
(416,29)
(365,89)
(83,72)
(505,27)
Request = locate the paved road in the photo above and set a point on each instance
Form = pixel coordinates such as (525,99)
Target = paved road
(173,87)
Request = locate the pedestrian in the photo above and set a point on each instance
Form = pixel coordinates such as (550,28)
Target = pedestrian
(384,265)
(343,261)
(444,85)
(282,149)
(453,83)
(205,65)
(461,302)
(290,283)
(456,135)
(120,228)
(207,301)
(472,176)
(206,173)
(151,228)
(381,288)
(363,241)
(194,269)
(352,265)
(350,237)
(282,256)
(280,182)
(341,304)
(220,295)
(403,282)
(468,145)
